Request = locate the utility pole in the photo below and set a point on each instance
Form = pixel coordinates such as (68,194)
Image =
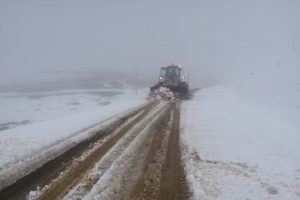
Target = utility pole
(294,42)
(136,80)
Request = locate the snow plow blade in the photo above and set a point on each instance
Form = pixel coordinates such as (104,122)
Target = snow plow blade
(184,89)
(179,89)
(155,87)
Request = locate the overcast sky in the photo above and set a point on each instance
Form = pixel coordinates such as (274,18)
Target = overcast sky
(210,37)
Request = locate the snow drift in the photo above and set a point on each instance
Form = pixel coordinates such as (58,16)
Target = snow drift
(241,139)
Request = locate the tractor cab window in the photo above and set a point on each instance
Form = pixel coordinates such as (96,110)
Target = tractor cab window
(173,71)
(163,72)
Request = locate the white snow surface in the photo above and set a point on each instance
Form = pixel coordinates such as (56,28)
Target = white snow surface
(26,107)
(241,140)
(25,143)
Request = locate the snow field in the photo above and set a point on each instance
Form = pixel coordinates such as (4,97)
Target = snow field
(241,140)
(38,147)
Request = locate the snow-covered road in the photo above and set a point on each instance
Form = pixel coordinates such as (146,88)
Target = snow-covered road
(134,155)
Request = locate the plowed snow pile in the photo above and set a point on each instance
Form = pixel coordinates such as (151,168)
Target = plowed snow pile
(241,140)
(163,93)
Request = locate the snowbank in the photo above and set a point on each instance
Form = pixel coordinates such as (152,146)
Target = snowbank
(241,140)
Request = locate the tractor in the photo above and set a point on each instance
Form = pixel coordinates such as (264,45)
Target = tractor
(173,78)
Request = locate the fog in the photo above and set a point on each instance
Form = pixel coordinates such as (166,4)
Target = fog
(215,40)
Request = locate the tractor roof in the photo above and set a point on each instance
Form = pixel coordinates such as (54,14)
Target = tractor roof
(174,66)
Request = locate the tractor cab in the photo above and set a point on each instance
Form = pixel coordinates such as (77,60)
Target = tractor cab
(173,71)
